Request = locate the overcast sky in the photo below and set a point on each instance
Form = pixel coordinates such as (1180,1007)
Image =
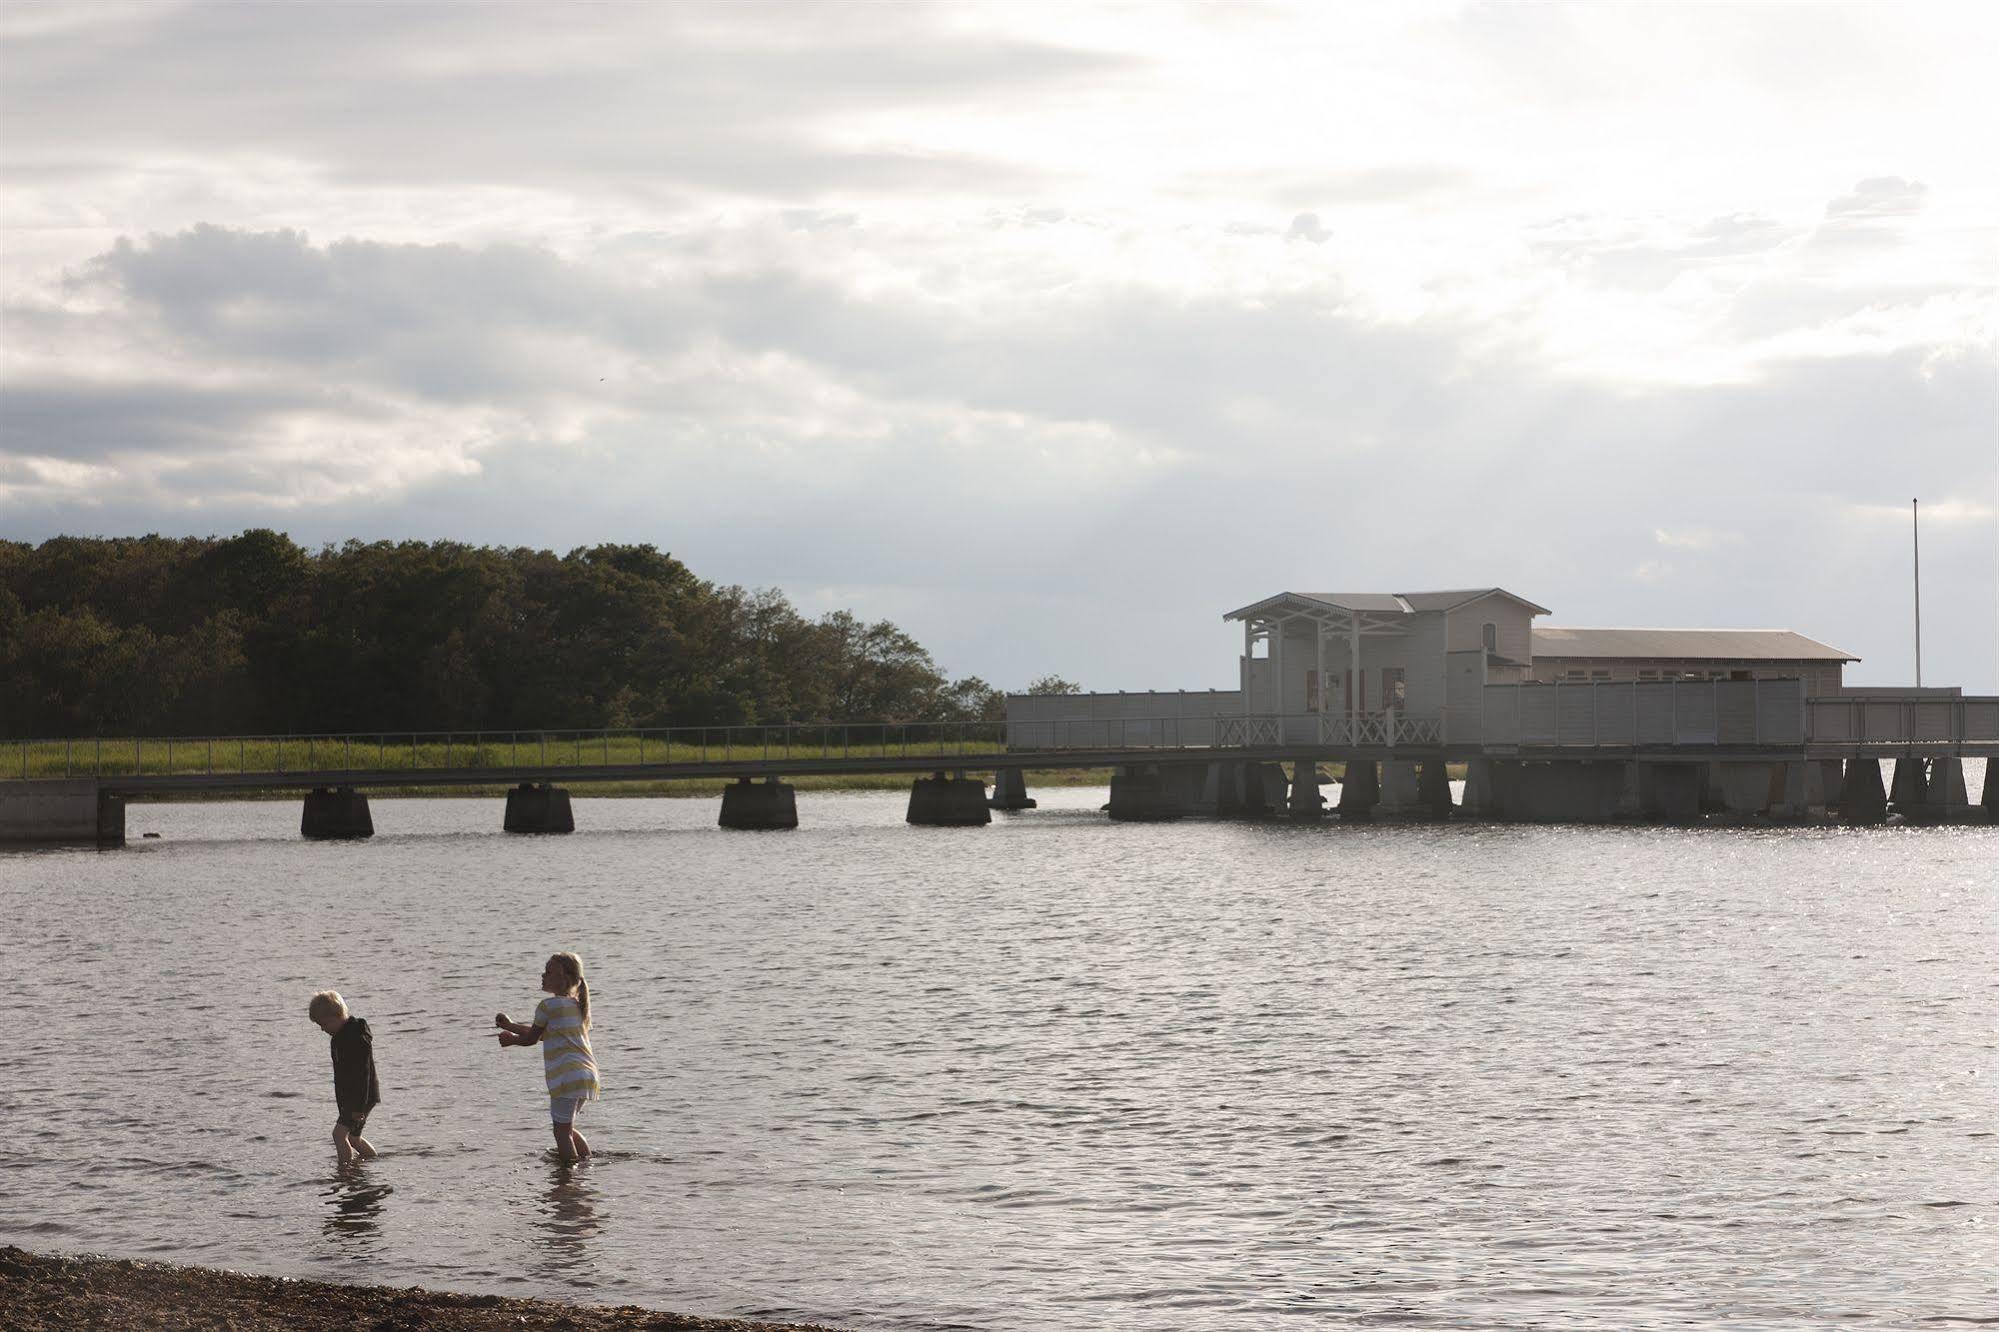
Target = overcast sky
(1051,332)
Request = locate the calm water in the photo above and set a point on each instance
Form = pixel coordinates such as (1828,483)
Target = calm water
(1055,1073)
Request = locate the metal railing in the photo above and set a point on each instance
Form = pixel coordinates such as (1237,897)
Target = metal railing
(720,747)
(1720,713)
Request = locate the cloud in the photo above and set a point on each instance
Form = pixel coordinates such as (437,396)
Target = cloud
(707,97)
(1023,322)
(1695,539)
(1306,227)
(1882,196)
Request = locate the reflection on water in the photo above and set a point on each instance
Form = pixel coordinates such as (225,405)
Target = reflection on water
(567,1220)
(354,1201)
(1049,1075)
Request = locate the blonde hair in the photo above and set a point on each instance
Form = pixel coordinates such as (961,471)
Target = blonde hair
(573,964)
(327,1003)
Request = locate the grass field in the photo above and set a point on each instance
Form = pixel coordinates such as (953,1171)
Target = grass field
(127,756)
(952,745)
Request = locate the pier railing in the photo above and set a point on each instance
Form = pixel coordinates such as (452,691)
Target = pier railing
(1724,714)
(679,747)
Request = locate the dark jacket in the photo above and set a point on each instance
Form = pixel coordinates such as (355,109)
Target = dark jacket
(354,1085)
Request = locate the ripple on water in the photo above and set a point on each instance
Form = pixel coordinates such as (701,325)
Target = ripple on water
(1053,1074)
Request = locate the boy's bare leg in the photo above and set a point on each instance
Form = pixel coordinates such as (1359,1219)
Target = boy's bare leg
(366,1148)
(343,1143)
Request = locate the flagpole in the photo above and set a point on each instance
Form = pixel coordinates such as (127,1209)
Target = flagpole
(1916,534)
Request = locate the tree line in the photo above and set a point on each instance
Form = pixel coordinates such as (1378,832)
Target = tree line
(254,634)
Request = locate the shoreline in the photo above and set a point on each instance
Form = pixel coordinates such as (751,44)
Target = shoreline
(49,1291)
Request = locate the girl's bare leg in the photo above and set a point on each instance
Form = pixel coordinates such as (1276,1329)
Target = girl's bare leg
(582,1145)
(562,1147)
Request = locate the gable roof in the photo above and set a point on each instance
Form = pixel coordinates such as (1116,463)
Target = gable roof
(1449,601)
(1684,644)
(1387,603)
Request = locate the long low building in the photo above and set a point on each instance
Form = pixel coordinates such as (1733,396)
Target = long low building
(1427,658)
(1571,655)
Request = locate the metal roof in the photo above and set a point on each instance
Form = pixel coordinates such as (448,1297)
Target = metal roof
(1387,603)
(1684,644)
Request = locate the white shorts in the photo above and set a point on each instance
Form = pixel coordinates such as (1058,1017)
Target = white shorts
(562,1109)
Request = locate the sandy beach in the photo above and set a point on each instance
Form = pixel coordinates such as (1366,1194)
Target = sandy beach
(49,1291)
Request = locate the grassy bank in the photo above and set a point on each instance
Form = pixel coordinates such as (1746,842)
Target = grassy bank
(124,756)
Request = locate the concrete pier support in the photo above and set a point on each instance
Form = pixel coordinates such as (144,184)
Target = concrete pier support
(1478,789)
(341,813)
(1669,792)
(1244,790)
(1749,790)
(1910,791)
(762,806)
(1142,793)
(1861,797)
(1401,787)
(1010,790)
(1946,798)
(538,809)
(110,819)
(938,801)
(1360,792)
(1990,800)
(77,812)
(1306,802)
(1433,789)
(1800,797)
(1586,792)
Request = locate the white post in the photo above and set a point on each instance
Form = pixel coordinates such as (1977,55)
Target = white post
(1248,675)
(1319,639)
(1356,685)
(1277,673)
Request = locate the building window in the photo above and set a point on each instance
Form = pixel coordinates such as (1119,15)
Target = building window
(1490,633)
(1394,694)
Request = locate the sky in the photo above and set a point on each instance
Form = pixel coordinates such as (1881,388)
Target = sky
(1050,332)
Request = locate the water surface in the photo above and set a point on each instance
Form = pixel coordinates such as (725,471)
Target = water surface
(1056,1073)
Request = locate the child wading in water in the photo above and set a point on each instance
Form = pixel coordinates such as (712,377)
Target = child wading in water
(355,1091)
(562,1027)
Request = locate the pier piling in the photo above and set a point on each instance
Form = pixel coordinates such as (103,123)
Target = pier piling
(335,815)
(760,806)
(940,801)
(538,809)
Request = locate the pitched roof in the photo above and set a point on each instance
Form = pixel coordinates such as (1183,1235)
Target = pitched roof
(1464,596)
(1684,644)
(1387,603)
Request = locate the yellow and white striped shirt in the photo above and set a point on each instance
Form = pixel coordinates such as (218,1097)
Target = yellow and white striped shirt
(566,1060)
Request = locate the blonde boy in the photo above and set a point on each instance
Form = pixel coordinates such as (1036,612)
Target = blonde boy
(355,1091)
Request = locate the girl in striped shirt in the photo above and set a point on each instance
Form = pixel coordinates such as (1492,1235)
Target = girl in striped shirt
(562,1028)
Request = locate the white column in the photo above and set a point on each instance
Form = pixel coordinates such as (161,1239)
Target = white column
(1248,677)
(1353,642)
(1277,672)
(1319,640)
